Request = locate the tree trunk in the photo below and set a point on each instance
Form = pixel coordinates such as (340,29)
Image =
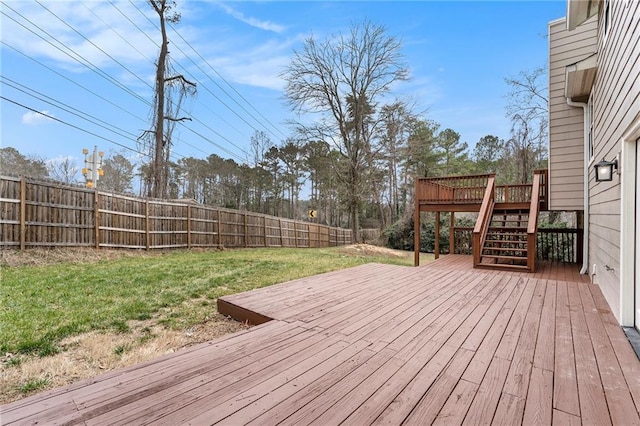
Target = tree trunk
(158,185)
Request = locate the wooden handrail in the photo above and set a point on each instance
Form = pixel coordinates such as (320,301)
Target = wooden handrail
(532,225)
(534,210)
(480,230)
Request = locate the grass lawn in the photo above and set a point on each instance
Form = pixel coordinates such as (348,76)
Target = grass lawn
(41,305)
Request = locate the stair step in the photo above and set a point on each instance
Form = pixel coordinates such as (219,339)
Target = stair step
(503,266)
(522,250)
(501,243)
(502,257)
(510,229)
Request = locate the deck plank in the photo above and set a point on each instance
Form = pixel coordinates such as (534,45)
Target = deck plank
(565,390)
(539,404)
(382,344)
(593,405)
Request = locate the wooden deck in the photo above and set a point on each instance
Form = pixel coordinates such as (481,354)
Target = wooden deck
(380,344)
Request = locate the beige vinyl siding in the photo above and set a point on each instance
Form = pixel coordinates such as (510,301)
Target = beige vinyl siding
(566,123)
(616,104)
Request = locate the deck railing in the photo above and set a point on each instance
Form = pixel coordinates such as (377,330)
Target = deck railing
(484,219)
(452,189)
(532,225)
(470,189)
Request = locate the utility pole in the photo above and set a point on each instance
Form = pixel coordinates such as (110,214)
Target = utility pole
(92,167)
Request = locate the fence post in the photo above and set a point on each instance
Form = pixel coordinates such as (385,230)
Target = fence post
(295,233)
(281,238)
(264,219)
(219,233)
(96,218)
(23,212)
(146,225)
(246,236)
(188,226)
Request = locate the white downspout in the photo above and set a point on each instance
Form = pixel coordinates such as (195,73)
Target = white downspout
(585,237)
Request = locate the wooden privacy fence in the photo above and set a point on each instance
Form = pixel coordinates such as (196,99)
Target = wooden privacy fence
(45,214)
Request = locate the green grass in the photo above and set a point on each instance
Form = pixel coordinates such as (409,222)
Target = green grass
(33,385)
(41,305)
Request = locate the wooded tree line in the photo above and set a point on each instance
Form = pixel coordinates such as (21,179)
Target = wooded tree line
(353,160)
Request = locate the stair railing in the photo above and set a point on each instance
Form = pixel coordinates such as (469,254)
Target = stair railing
(484,218)
(532,225)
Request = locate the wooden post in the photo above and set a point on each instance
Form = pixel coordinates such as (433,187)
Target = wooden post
(266,241)
(295,233)
(23,212)
(96,219)
(146,226)
(281,238)
(416,234)
(579,237)
(188,226)
(436,250)
(219,233)
(246,236)
(452,236)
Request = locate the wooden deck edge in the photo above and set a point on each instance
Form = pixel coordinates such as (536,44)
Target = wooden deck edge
(241,314)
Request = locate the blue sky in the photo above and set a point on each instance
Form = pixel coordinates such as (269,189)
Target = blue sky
(458,52)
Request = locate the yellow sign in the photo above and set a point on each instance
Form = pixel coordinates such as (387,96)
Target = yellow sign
(312,214)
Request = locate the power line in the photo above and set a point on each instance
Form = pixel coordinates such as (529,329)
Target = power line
(228,84)
(214,82)
(86,62)
(67,108)
(94,45)
(72,125)
(117,33)
(72,81)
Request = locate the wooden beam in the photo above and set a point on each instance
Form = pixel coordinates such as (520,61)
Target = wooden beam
(218,234)
(246,232)
(436,250)
(240,314)
(416,234)
(188,226)
(96,218)
(146,226)
(23,212)
(452,237)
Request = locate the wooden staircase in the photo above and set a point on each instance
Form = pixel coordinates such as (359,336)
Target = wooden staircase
(505,234)
(506,244)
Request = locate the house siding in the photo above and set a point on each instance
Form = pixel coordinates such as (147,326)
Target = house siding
(566,123)
(616,97)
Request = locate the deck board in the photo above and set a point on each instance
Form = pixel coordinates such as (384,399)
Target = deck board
(379,344)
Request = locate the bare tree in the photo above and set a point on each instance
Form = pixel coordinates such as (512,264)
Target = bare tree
(170,90)
(63,170)
(343,78)
(528,109)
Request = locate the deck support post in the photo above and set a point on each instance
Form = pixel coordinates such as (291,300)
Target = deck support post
(452,236)
(416,234)
(436,250)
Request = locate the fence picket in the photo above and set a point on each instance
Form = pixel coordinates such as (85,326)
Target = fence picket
(37,213)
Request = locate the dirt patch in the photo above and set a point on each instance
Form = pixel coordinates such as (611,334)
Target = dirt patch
(43,256)
(91,354)
(371,250)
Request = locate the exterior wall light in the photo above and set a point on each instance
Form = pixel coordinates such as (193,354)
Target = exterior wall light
(604,170)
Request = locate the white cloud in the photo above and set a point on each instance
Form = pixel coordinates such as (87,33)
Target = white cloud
(32,118)
(256,23)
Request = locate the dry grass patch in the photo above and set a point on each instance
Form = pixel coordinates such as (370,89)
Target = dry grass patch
(91,354)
